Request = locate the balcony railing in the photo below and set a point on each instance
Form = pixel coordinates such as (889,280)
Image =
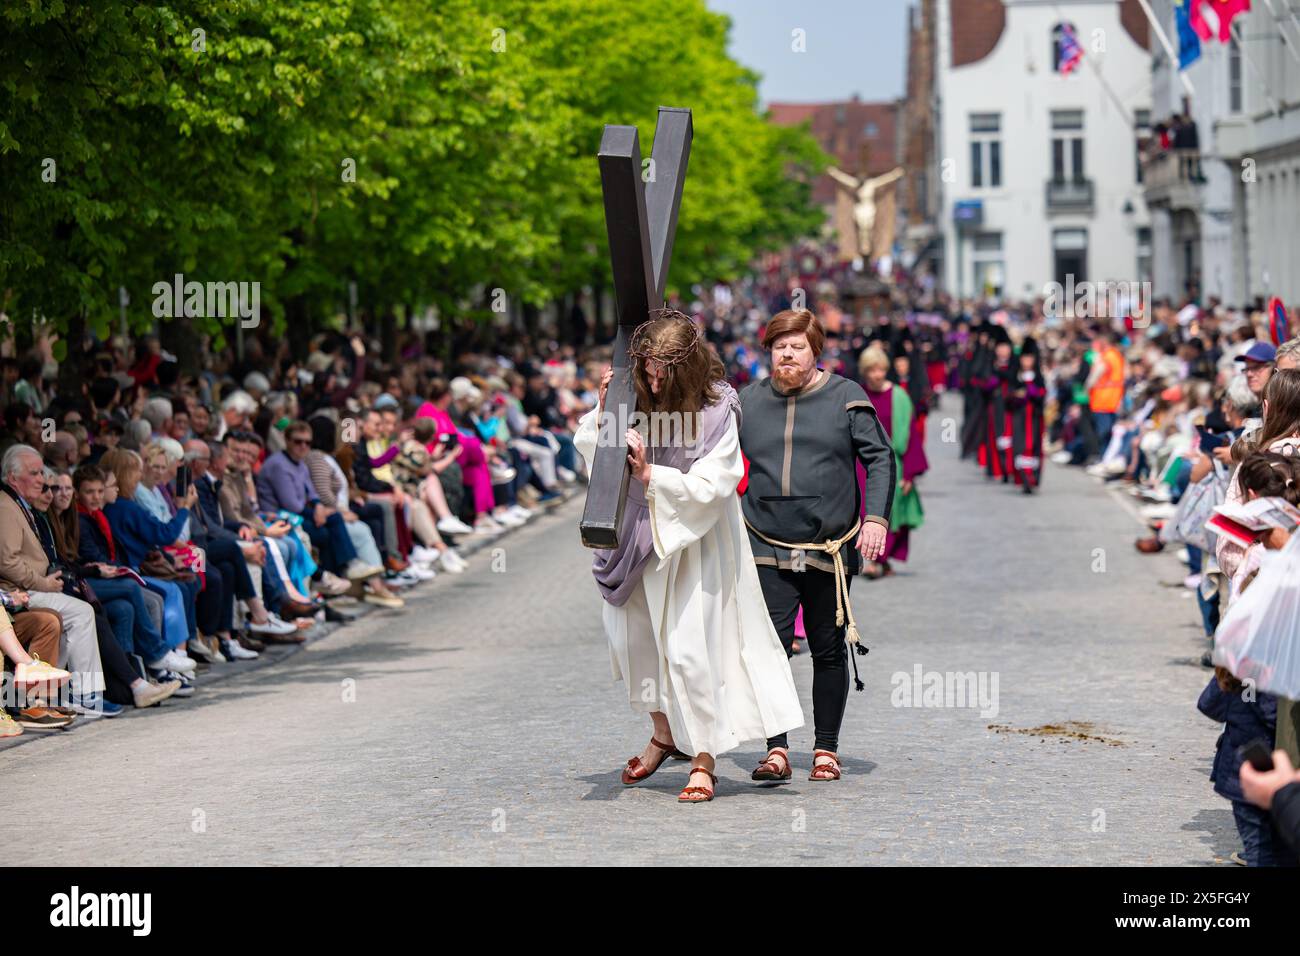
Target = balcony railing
(1171,177)
(1069,195)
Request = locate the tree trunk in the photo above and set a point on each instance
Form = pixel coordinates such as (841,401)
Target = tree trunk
(297,318)
(74,370)
(178,336)
(388,334)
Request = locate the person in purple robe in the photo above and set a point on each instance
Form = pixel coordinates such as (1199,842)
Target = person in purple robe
(896,412)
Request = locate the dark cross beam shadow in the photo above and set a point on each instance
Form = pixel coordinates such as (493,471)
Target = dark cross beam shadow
(641,221)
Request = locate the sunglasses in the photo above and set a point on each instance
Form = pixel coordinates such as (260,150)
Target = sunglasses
(299,441)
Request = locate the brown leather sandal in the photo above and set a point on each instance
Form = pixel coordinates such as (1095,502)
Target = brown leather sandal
(775,766)
(698,794)
(825,771)
(636,771)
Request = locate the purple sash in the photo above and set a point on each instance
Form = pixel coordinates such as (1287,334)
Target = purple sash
(618,571)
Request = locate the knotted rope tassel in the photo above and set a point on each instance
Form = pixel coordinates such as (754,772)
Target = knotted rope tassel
(843,608)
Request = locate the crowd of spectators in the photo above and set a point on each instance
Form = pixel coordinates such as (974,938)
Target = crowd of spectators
(1185,410)
(154,524)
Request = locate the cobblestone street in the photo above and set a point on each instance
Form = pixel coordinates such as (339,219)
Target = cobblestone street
(481,726)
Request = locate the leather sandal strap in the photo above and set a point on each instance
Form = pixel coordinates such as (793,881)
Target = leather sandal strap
(777,759)
(667,748)
(702,770)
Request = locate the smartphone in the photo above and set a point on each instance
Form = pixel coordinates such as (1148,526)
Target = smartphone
(182,482)
(1211,441)
(1257,753)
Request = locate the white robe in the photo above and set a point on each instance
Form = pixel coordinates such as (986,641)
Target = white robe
(694,640)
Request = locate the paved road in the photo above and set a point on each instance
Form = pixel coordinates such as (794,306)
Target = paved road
(480,725)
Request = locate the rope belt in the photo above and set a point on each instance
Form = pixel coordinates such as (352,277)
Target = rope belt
(843,609)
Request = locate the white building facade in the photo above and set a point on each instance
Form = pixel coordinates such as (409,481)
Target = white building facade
(1196,198)
(1229,232)
(1040,170)
(1259,146)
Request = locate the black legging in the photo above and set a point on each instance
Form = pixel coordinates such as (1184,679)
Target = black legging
(784,591)
(118,672)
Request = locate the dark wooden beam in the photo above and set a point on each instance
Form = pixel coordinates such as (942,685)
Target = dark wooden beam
(640,222)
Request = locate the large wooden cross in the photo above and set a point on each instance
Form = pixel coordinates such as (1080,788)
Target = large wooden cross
(640,218)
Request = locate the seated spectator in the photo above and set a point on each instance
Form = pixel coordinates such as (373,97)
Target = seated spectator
(473,460)
(237,411)
(236,549)
(95,488)
(29,640)
(143,542)
(124,684)
(288,548)
(284,490)
(331,487)
(24,566)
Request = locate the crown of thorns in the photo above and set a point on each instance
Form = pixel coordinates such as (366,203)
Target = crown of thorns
(639,345)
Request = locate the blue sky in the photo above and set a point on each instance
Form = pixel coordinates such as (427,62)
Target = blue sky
(853,46)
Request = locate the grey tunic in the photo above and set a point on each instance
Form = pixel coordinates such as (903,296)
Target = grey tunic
(802,447)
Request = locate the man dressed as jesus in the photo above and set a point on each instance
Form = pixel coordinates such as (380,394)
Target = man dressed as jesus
(688,629)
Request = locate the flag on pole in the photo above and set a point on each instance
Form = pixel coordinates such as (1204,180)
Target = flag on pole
(1224,11)
(1071,51)
(1189,44)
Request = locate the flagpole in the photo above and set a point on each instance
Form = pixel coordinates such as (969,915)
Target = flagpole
(1169,47)
(1282,29)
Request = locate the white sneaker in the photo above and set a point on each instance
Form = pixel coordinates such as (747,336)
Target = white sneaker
(174,660)
(420,573)
(453,525)
(236,651)
(1062,457)
(565,474)
(506,518)
(519,511)
(358,570)
(487,525)
(272,626)
(422,555)
(452,562)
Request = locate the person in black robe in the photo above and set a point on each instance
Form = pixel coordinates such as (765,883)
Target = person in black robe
(997,386)
(1028,396)
(974,365)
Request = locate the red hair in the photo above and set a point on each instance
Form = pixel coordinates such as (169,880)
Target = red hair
(796,320)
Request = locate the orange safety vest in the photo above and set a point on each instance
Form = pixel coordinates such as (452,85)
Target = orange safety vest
(1107,394)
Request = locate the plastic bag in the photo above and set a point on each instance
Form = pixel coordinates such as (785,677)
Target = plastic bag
(1195,508)
(1259,638)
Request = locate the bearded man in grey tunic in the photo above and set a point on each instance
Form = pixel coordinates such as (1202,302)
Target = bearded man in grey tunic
(804,430)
